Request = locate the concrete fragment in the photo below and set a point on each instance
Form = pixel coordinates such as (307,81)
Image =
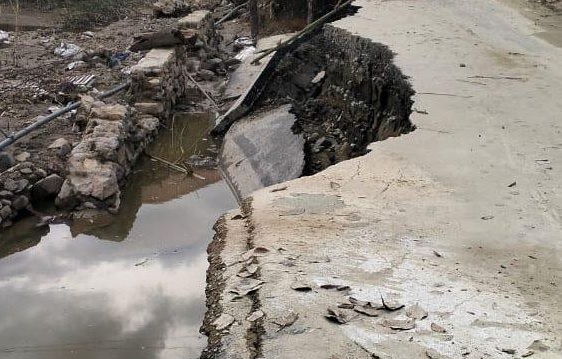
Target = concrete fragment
(224,321)
(262,150)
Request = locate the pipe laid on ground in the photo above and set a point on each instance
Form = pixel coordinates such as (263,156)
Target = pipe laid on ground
(10,139)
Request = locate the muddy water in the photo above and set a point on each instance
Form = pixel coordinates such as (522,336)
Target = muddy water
(125,286)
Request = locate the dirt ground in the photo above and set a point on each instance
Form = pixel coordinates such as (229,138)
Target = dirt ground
(33,79)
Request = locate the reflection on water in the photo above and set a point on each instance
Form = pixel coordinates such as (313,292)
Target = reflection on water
(139,295)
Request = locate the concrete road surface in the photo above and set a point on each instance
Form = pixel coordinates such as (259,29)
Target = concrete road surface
(461,217)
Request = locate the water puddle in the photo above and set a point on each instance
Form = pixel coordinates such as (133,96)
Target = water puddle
(124,286)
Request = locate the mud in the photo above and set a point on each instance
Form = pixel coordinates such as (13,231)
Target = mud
(345,92)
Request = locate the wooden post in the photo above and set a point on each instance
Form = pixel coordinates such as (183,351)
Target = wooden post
(254,17)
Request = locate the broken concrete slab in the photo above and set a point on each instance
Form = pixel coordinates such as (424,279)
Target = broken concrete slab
(261,151)
(247,82)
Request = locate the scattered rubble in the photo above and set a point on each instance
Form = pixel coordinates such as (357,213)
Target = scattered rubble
(399,324)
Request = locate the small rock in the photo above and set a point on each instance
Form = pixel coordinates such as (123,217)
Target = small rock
(10,185)
(508,351)
(437,328)
(26,171)
(391,305)
(248,270)
(20,203)
(247,286)
(433,354)
(5,194)
(416,312)
(47,187)
(346,306)
(319,77)
(337,316)
(528,353)
(224,321)
(338,287)
(255,316)
(22,185)
(286,321)
(301,286)
(538,345)
(5,212)
(366,310)
(41,173)
(6,161)
(22,157)
(399,324)
(206,75)
(62,146)
(254,252)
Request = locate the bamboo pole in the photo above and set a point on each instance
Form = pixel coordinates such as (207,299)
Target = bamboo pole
(231,12)
(303,32)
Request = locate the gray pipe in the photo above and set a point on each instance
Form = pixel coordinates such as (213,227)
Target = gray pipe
(10,139)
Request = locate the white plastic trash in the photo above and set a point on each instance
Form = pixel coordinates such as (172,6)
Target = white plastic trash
(67,50)
(245,53)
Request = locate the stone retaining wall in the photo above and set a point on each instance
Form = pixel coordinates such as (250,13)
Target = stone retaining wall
(116,134)
(97,166)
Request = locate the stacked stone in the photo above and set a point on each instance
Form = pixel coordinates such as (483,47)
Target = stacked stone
(201,22)
(99,163)
(20,186)
(163,75)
